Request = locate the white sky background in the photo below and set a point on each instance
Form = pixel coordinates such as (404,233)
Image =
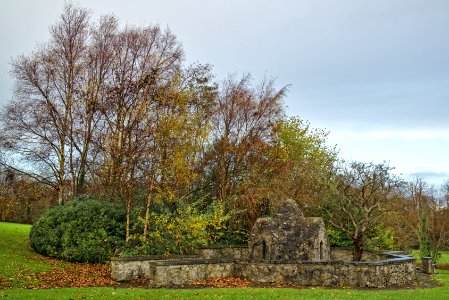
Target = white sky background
(373,73)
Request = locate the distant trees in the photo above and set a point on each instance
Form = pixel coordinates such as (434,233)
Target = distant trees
(422,220)
(22,199)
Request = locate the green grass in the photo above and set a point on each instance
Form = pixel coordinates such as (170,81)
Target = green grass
(442,260)
(241,293)
(17,260)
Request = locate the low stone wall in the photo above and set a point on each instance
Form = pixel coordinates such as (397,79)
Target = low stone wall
(181,273)
(396,270)
(331,273)
(134,267)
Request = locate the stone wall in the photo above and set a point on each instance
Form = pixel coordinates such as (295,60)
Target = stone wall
(396,270)
(185,272)
(330,274)
(135,267)
(286,248)
(234,252)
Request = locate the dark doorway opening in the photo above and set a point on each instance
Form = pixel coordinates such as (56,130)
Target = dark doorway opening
(321,250)
(264,251)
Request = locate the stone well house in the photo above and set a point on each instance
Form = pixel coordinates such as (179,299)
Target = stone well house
(288,235)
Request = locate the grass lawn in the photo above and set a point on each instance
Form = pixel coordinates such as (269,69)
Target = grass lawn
(442,260)
(17,261)
(230,293)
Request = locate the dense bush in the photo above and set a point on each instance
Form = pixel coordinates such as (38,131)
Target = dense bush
(81,231)
(381,239)
(338,238)
(179,231)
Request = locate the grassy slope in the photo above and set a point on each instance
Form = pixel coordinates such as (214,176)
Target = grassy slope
(16,257)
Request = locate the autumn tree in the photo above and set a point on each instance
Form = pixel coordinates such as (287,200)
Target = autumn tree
(424,218)
(177,129)
(360,194)
(243,121)
(304,164)
(7,201)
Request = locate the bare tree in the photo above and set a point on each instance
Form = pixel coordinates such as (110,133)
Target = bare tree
(427,217)
(38,125)
(445,192)
(87,118)
(243,122)
(361,193)
(244,117)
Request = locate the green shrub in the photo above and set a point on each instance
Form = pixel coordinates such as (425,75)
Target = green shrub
(382,239)
(338,238)
(181,231)
(80,231)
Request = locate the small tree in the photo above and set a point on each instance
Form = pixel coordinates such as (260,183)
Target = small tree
(425,245)
(360,194)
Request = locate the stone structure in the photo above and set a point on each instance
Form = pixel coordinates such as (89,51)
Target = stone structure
(288,235)
(395,270)
(427,265)
(287,248)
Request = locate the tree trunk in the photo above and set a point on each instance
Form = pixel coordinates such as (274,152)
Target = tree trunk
(128,215)
(147,212)
(60,190)
(130,186)
(358,249)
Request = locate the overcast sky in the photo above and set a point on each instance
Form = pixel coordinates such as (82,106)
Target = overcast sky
(373,73)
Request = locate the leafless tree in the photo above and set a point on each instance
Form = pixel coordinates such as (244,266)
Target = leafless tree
(244,118)
(361,193)
(38,124)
